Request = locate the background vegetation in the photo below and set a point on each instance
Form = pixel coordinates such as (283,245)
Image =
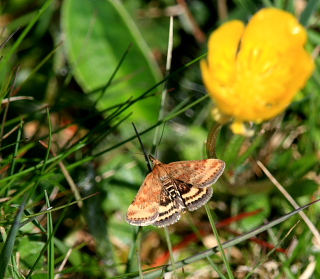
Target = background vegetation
(74,75)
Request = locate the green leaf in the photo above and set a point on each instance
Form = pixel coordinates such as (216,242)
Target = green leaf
(97,34)
(30,249)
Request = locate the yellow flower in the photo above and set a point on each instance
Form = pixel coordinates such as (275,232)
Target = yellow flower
(253,72)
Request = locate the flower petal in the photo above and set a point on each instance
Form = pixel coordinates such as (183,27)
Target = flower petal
(258,78)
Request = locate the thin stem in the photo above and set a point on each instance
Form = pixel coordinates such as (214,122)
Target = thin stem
(224,258)
(215,267)
(170,251)
(138,245)
(164,92)
(284,192)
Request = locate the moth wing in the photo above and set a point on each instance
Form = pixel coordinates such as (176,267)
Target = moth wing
(169,210)
(198,173)
(144,209)
(194,197)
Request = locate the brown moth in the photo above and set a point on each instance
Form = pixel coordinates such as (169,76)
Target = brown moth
(173,188)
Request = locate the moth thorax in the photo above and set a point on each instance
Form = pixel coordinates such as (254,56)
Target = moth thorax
(165,180)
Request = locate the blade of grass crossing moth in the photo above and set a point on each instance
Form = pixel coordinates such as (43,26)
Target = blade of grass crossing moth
(50,239)
(215,267)
(267,256)
(224,258)
(227,244)
(7,249)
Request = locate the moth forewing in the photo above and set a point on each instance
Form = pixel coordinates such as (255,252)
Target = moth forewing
(198,173)
(144,209)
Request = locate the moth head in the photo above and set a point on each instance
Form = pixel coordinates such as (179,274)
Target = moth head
(154,161)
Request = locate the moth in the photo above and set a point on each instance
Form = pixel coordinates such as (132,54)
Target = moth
(171,189)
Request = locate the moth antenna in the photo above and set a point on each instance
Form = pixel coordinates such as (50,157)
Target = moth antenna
(161,136)
(143,149)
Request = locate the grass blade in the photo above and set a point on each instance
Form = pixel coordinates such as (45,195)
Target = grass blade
(50,240)
(26,31)
(9,243)
(224,258)
(215,267)
(166,231)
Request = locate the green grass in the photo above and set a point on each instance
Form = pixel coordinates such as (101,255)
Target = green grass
(67,144)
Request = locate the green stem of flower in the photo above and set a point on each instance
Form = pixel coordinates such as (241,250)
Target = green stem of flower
(212,140)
